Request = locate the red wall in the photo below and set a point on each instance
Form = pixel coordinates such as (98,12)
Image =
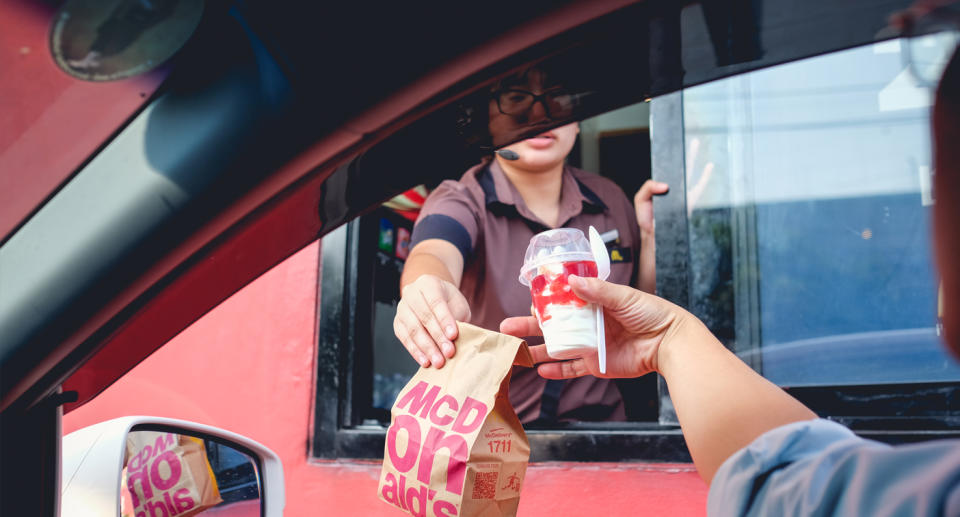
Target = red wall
(248,366)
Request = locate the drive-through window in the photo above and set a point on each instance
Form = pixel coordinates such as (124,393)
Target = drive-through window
(797,228)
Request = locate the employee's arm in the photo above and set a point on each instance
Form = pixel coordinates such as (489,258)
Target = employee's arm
(647,261)
(722,404)
(647,264)
(431,302)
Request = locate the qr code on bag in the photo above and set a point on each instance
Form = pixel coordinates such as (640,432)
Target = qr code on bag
(485,485)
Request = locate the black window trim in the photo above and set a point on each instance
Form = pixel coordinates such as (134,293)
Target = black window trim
(343,385)
(892,413)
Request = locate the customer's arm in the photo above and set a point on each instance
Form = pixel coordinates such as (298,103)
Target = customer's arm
(721,403)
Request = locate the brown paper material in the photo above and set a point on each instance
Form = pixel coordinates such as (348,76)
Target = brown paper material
(169,474)
(455,447)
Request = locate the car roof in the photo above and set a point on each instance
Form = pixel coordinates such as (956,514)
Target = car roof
(220,175)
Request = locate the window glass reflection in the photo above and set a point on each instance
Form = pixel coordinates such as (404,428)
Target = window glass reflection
(809,197)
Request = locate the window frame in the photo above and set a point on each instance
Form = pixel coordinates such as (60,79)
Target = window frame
(891,413)
(344,383)
(344,349)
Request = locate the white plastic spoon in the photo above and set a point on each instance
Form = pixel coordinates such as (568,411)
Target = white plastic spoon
(600,255)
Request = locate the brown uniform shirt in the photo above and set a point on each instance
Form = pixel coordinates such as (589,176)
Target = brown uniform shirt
(485,217)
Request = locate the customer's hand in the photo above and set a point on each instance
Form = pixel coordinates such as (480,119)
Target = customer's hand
(646,333)
(637,325)
(427,316)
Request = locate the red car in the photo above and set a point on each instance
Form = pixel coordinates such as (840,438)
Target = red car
(193,224)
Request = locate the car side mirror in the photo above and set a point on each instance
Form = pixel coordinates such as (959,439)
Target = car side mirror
(150,466)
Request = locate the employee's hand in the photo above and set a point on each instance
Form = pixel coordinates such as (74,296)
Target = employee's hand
(643,204)
(427,316)
(637,325)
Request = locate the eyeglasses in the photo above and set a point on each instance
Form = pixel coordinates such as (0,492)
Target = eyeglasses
(557,103)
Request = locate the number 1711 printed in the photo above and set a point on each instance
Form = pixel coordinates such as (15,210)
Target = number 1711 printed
(499,445)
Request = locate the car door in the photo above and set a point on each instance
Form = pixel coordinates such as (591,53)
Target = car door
(145,229)
(238,162)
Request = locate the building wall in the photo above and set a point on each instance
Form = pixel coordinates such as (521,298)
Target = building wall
(248,366)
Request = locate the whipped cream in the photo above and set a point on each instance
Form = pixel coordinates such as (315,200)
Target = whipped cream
(570,331)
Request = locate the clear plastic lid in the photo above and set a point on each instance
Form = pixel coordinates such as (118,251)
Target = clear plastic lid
(551,246)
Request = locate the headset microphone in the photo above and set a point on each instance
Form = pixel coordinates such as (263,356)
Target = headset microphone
(507,154)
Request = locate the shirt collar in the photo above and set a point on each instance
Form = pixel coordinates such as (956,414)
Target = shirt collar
(500,194)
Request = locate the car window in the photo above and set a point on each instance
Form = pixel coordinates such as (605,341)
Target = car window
(759,271)
(809,200)
(615,145)
(803,242)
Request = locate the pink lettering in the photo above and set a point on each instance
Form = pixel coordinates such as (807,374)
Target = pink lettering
(183,501)
(145,488)
(419,497)
(409,424)
(419,399)
(444,509)
(470,405)
(173,461)
(152,507)
(456,467)
(148,452)
(445,420)
(163,441)
(166,499)
(390,489)
(137,462)
(401,491)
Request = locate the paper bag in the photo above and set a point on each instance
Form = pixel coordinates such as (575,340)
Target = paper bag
(169,474)
(455,447)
